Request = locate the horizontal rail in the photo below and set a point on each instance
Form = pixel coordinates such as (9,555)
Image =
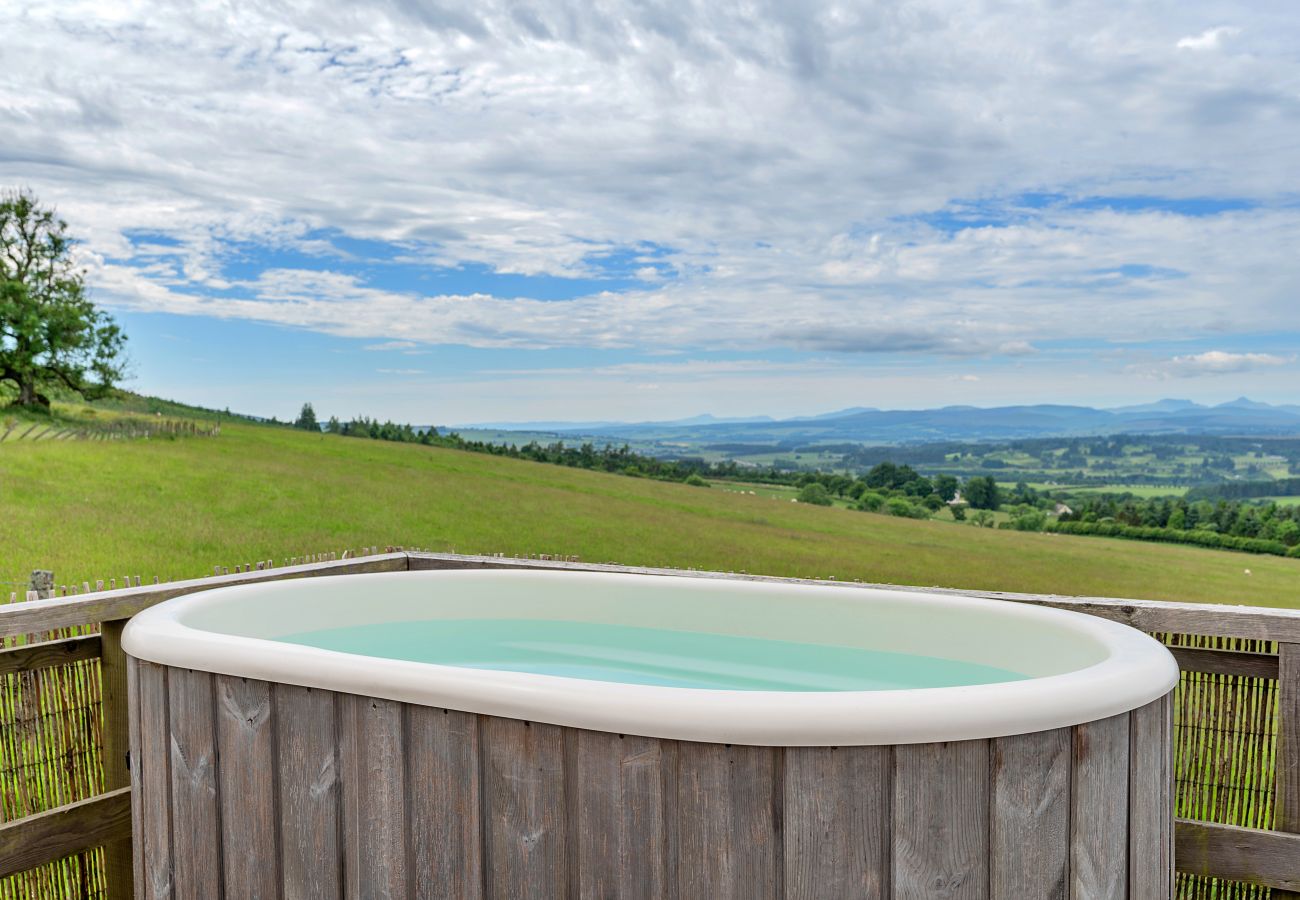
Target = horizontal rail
(1226,662)
(1210,619)
(45,837)
(107,606)
(43,655)
(1252,855)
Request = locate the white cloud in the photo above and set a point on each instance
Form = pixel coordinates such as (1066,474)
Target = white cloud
(1210,39)
(1217,362)
(779,150)
(391,345)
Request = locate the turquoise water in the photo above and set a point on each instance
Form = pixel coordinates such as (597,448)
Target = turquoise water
(655,656)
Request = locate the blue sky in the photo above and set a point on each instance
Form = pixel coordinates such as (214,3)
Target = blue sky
(496,211)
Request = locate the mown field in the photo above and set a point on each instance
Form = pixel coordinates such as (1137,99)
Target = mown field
(175,507)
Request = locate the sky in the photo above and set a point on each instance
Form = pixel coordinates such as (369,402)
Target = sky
(487,211)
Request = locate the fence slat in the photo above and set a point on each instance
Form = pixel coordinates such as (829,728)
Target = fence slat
(1287,816)
(56,833)
(115,706)
(1238,854)
(47,654)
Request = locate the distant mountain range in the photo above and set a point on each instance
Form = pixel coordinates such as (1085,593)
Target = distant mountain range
(963,423)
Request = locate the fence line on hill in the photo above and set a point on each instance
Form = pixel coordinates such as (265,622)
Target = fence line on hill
(64,813)
(116,429)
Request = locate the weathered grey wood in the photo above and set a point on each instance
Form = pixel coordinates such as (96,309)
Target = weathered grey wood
(621,836)
(372,762)
(1239,854)
(837,803)
(246,772)
(526,856)
(153,833)
(1264,623)
(51,835)
(1287,813)
(311,858)
(443,804)
(104,606)
(941,821)
(196,823)
(728,822)
(1151,802)
(133,721)
(1029,841)
(115,733)
(1099,810)
(1225,662)
(46,654)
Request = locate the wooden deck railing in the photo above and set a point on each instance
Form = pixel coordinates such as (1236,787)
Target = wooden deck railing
(1254,856)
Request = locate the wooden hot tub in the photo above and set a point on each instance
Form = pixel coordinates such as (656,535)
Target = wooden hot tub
(270,769)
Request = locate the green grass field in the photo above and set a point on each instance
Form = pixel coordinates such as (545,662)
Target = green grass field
(175,507)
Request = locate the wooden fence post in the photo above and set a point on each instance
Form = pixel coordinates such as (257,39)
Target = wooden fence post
(1287,816)
(118,870)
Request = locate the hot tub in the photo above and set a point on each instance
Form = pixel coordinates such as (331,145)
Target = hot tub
(513,734)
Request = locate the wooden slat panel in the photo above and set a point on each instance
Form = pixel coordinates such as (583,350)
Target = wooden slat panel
(311,858)
(196,822)
(115,706)
(51,835)
(837,830)
(1225,662)
(729,843)
(1030,818)
(443,804)
(621,837)
(941,821)
(1099,810)
(137,816)
(1287,817)
(374,798)
(1151,801)
(106,606)
(246,773)
(1238,854)
(153,833)
(45,654)
(523,795)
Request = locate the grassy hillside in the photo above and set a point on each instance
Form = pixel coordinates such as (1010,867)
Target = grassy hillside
(175,507)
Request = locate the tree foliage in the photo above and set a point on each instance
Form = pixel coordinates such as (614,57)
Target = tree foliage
(51,334)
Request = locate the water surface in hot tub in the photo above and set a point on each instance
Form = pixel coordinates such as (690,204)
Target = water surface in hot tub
(651,656)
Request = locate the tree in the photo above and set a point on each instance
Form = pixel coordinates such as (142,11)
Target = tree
(816,494)
(981,492)
(50,332)
(945,486)
(307,419)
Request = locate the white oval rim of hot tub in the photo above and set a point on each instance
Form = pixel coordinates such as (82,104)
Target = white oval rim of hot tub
(1109,668)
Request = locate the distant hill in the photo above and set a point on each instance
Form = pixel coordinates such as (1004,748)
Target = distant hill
(961,423)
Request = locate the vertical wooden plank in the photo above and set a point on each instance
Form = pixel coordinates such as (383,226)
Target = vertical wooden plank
(523,797)
(246,773)
(443,804)
(837,831)
(133,718)
(153,830)
(373,767)
(941,821)
(729,840)
(1029,827)
(1099,810)
(196,822)
(311,856)
(1287,812)
(620,836)
(1151,801)
(119,873)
